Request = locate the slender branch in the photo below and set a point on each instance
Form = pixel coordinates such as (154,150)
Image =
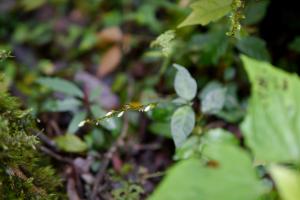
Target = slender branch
(55,155)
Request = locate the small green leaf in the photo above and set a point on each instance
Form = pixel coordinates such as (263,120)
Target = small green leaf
(206,11)
(212,46)
(74,124)
(165,42)
(70,143)
(61,85)
(213,98)
(255,11)
(272,124)
(68,104)
(295,44)
(161,128)
(192,180)
(182,124)
(287,181)
(185,85)
(254,47)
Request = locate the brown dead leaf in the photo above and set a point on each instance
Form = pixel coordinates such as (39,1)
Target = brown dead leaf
(110,35)
(110,61)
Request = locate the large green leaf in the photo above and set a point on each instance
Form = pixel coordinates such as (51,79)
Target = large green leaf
(185,85)
(182,124)
(228,175)
(206,11)
(61,85)
(272,124)
(287,181)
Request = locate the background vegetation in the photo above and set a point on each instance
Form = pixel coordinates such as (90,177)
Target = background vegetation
(129,101)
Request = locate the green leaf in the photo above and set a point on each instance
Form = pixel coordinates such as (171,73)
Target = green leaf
(61,85)
(77,118)
(109,123)
(68,104)
(190,148)
(206,11)
(272,124)
(254,47)
(182,124)
(161,128)
(31,5)
(165,42)
(255,11)
(212,46)
(219,179)
(70,143)
(213,98)
(287,181)
(185,85)
(219,135)
(295,44)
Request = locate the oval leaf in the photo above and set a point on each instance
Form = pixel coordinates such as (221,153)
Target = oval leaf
(213,99)
(77,118)
(70,143)
(61,85)
(185,85)
(182,124)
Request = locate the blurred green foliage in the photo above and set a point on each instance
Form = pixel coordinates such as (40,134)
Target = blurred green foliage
(76,60)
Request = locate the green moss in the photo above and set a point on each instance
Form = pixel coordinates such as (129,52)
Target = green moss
(24,173)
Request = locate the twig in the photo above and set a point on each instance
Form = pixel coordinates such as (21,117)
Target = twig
(108,156)
(55,155)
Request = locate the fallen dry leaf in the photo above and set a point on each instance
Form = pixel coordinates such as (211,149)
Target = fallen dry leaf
(110,61)
(110,35)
